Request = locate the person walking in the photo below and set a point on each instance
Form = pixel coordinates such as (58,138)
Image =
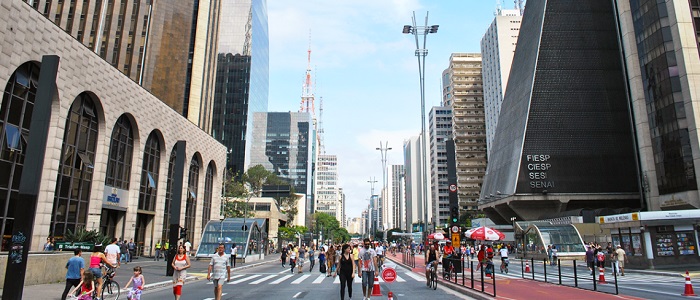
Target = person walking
(356,256)
(132,249)
(621,259)
(292,258)
(123,251)
(590,258)
(346,270)
(312,258)
(330,258)
(234,253)
(75,268)
(157,258)
(321,260)
(284,256)
(301,258)
(137,288)
(555,256)
(368,268)
(180,264)
(112,252)
(218,270)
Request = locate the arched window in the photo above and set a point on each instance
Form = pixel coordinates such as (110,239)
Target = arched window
(148,188)
(15,117)
(208,186)
(168,194)
(120,151)
(149,174)
(70,204)
(192,188)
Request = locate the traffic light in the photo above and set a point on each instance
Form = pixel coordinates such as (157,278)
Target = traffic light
(183,232)
(454,215)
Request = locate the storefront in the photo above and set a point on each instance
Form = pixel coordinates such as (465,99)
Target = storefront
(656,238)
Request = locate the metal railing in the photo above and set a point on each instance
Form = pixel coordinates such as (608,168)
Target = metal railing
(409,258)
(484,280)
(592,283)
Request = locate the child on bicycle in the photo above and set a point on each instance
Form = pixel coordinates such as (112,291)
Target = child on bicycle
(137,288)
(86,286)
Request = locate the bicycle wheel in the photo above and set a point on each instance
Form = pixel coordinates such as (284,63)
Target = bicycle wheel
(435,281)
(110,291)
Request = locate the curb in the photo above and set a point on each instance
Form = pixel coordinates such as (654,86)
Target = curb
(644,271)
(452,286)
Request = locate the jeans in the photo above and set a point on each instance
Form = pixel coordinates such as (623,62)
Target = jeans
(157,254)
(312,262)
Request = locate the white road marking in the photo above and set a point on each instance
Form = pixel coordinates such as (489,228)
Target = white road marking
(415,276)
(262,279)
(281,279)
(320,278)
(244,279)
(300,279)
(399,279)
(299,293)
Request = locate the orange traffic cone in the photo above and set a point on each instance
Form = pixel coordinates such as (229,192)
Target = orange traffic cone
(527,267)
(375,288)
(601,276)
(391,296)
(688,286)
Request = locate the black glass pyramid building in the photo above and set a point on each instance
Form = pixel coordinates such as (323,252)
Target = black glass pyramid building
(564,139)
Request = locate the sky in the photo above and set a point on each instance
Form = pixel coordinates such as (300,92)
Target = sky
(366,71)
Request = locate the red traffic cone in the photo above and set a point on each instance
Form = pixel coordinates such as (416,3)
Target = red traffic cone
(601,276)
(375,289)
(391,296)
(527,267)
(688,286)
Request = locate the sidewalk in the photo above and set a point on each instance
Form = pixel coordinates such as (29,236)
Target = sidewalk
(153,273)
(508,288)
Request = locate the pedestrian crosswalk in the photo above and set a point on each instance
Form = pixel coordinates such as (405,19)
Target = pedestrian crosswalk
(296,279)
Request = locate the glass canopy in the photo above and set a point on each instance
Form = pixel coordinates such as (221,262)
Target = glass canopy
(536,236)
(231,232)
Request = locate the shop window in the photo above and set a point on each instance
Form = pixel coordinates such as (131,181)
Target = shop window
(168,194)
(208,186)
(149,174)
(120,154)
(192,188)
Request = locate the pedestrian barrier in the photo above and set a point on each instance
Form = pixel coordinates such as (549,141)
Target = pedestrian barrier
(466,272)
(586,283)
(688,286)
(409,258)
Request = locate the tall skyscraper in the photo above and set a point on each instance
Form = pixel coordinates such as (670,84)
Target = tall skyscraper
(281,142)
(440,129)
(463,91)
(242,77)
(564,138)
(396,197)
(416,208)
(497,49)
(660,40)
(328,195)
(168,46)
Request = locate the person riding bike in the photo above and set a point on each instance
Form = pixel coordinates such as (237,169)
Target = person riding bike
(504,259)
(431,256)
(380,255)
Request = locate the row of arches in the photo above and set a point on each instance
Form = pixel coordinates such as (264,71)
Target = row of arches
(76,167)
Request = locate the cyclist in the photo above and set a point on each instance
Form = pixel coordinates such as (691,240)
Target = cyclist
(504,259)
(447,252)
(96,259)
(431,256)
(380,254)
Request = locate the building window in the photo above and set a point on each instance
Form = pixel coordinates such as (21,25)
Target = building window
(15,117)
(192,189)
(208,186)
(120,152)
(168,194)
(70,205)
(149,174)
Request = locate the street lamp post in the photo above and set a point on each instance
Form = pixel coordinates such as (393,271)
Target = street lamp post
(224,199)
(383,150)
(371,207)
(421,53)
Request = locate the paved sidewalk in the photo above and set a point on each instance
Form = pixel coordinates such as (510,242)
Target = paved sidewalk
(153,273)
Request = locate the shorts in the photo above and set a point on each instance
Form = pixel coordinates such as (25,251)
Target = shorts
(368,279)
(218,281)
(620,263)
(97,272)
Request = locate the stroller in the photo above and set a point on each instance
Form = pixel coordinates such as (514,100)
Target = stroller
(488,270)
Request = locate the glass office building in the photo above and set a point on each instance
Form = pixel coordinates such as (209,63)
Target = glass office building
(242,76)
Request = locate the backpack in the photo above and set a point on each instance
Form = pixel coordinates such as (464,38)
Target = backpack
(322,268)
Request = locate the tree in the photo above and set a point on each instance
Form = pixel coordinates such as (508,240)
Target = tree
(236,209)
(330,227)
(291,233)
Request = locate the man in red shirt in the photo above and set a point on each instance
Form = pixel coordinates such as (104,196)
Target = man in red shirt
(448,249)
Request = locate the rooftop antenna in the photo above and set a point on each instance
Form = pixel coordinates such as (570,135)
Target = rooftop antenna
(307,94)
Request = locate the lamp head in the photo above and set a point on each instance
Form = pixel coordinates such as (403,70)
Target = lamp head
(407,29)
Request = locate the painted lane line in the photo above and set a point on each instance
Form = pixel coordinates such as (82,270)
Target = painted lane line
(244,279)
(319,279)
(295,296)
(415,276)
(284,271)
(399,279)
(232,278)
(300,279)
(281,279)
(263,279)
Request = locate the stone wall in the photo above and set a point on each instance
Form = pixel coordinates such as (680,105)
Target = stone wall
(43,267)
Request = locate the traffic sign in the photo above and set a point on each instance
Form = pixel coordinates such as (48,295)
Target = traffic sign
(453,188)
(455,229)
(389,275)
(455,239)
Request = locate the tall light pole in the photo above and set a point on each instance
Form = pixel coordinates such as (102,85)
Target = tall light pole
(421,53)
(224,199)
(383,150)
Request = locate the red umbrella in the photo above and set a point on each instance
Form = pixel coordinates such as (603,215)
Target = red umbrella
(484,233)
(436,236)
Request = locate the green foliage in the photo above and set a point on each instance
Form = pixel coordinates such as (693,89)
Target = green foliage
(250,184)
(82,235)
(290,233)
(236,209)
(330,227)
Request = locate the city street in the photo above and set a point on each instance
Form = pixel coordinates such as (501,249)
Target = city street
(271,281)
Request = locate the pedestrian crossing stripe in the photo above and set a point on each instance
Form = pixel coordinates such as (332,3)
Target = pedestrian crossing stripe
(281,279)
(256,279)
(263,279)
(245,279)
(301,279)
(319,279)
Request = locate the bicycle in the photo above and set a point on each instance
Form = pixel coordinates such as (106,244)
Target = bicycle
(447,270)
(110,288)
(432,276)
(504,265)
